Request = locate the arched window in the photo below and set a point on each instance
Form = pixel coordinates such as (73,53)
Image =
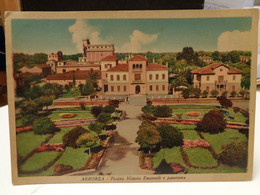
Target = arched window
(133,66)
(141,66)
(137,65)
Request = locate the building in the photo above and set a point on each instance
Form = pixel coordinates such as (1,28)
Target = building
(206,59)
(137,77)
(41,69)
(217,76)
(244,59)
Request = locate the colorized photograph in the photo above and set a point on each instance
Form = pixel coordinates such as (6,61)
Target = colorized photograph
(132,99)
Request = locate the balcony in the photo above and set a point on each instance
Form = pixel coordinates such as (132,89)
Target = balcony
(221,82)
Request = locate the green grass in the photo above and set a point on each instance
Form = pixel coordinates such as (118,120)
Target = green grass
(193,106)
(19,122)
(28,141)
(238,117)
(79,114)
(170,155)
(200,157)
(190,134)
(38,160)
(57,138)
(221,169)
(184,127)
(221,139)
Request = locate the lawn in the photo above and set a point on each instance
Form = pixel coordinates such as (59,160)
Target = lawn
(190,134)
(19,122)
(54,116)
(200,157)
(221,139)
(221,169)
(38,160)
(28,141)
(170,155)
(57,138)
(184,127)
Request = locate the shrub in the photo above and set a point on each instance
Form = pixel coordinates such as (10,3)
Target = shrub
(224,102)
(109,109)
(70,138)
(214,93)
(43,126)
(224,93)
(28,119)
(148,117)
(96,110)
(204,94)
(213,122)
(96,127)
(233,94)
(104,118)
(29,107)
(186,93)
(149,109)
(82,106)
(170,136)
(196,92)
(149,102)
(234,154)
(236,109)
(162,111)
(114,103)
(87,140)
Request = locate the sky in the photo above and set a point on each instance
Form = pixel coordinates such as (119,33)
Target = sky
(131,35)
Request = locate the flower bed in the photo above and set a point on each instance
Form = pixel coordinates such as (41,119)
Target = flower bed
(195,143)
(67,115)
(194,114)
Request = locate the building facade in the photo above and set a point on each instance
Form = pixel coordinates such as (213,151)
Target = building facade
(217,76)
(137,77)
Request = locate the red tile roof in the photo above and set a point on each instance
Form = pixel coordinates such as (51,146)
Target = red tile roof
(155,67)
(209,69)
(41,66)
(109,58)
(119,67)
(138,58)
(79,75)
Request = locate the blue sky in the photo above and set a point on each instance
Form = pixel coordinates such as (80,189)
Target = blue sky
(128,35)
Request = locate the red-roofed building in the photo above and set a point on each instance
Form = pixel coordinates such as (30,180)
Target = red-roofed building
(41,69)
(217,76)
(137,77)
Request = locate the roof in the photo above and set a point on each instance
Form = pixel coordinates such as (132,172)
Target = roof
(155,67)
(41,66)
(209,69)
(138,58)
(109,58)
(119,67)
(79,75)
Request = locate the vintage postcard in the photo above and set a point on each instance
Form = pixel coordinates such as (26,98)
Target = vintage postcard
(142,96)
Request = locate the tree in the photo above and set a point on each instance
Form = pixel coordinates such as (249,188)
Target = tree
(162,111)
(233,56)
(224,102)
(187,54)
(96,127)
(233,94)
(44,101)
(215,56)
(186,93)
(196,92)
(29,107)
(109,109)
(170,136)
(34,92)
(204,94)
(224,93)
(87,140)
(148,109)
(93,77)
(43,126)
(212,122)
(214,93)
(70,138)
(28,119)
(88,88)
(164,168)
(96,110)
(234,154)
(104,118)
(148,137)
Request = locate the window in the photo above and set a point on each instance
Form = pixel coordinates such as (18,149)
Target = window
(221,70)
(141,66)
(151,87)
(207,88)
(150,76)
(157,87)
(124,77)
(133,66)
(137,77)
(118,77)
(157,76)
(105,65)
(163,76)
(112,88)
(234,77)
(111,77)
(207,78)
(118,88)
(163,87)
(124,88)
(64,70)
(137,65)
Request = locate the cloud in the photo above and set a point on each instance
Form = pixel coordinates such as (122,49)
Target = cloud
(235,40)
(137,40)
(82,30)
